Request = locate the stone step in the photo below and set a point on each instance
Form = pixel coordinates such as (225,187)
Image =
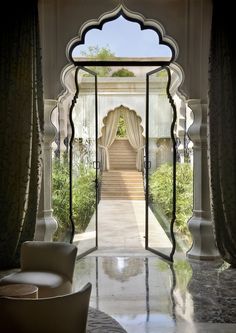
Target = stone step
(122,151)
(119,157)
(122,189)
(123,177)
(121,173)
(117,167)
(123,197)
(121,142)
(122,180)
(122,155)
(122,163)
(122,184)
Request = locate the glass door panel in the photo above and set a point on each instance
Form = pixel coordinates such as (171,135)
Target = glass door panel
(160,164)
(83,162)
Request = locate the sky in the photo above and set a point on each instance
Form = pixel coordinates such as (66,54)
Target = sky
(125,39)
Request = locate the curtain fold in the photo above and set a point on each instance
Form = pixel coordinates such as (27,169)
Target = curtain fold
(108,137)
(21,125)
(135,137)
(222,129)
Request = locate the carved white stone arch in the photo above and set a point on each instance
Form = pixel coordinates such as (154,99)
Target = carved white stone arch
(121,108)
(67,74)
(132,16)
(203,247)
(135,134)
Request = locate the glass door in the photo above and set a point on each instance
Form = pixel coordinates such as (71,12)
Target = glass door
(84,166)
(160,164)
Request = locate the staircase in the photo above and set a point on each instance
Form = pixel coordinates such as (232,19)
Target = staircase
(122,185)
(122,181)
(122,155)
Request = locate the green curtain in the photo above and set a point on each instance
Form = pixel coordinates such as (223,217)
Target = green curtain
(222,128)
(21,125)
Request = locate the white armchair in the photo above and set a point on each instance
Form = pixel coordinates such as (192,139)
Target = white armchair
(48,265)
(60,314)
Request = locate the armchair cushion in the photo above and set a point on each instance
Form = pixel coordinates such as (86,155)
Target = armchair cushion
(49,283)
(48,265)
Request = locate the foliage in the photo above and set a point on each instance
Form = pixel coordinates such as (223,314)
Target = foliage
(183,275)
(123,72)
(121,130)
(161,190)
(163,73)
(99,53)
(83,197)
(60,197)
(182,270)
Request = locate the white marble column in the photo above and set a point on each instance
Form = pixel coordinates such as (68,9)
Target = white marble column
(181,128)
(200,224)
(46,224)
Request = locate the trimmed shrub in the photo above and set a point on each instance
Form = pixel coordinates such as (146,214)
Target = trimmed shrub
(161,192)
(83,198)
(123,72)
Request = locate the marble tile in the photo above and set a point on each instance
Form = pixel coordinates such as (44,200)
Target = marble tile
(147,294)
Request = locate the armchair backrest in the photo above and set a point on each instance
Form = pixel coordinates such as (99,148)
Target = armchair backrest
(57,257)
(60,314)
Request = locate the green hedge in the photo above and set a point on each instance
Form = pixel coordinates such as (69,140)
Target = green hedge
(123,72)
(84,199)
(161,192)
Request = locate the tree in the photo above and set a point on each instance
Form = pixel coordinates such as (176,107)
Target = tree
(99,53)
(123,72)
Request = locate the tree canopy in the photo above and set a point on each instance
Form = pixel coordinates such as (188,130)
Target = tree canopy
(123,72)
(100,53)
(104,53)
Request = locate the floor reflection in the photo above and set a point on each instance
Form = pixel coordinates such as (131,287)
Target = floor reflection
(147,294)
(122,268)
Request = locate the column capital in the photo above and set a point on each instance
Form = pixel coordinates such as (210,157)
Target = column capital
(198,130)
(49,129)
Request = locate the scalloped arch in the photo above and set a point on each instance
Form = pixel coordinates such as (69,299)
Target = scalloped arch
(130,16)
(119,108)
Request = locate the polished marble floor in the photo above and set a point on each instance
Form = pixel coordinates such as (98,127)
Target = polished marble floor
(146,294)
(149,295)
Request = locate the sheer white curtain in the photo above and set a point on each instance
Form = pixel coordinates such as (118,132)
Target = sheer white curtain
(108,137)
(135,137)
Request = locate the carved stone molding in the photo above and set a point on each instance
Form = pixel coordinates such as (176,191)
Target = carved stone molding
(46,224)
(200,224)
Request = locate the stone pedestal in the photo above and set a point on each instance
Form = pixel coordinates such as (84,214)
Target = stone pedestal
(200,224)
(46,225)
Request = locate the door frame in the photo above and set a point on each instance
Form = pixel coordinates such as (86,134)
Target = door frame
(95,163)
(147,166)
(159,64)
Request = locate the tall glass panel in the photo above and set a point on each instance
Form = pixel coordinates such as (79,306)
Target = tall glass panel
(83,161)
(160,164)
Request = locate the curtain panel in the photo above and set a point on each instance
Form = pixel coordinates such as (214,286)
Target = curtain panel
(108,137)
(222,129)
(135,137)
(21,125)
